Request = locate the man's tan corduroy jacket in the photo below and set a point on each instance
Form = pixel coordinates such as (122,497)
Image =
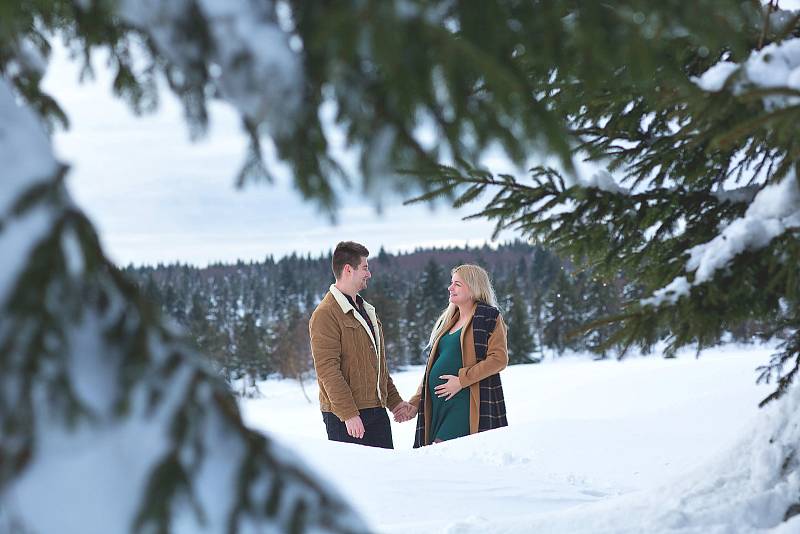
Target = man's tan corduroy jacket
(350,364)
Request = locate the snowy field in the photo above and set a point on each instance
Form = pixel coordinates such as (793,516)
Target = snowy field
(642,445)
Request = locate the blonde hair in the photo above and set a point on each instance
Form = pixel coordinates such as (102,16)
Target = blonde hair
(480,289)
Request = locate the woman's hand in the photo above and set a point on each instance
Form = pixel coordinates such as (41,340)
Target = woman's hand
(449,388)
(404,411)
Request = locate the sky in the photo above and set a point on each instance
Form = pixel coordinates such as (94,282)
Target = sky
(156,196)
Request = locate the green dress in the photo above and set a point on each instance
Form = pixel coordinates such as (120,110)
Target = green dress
(449,419)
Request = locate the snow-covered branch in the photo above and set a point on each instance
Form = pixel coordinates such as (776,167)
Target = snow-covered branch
(27,162)
(110,423)
(776,66)
(773,211)
(739,195)
(604,181)
(251,63)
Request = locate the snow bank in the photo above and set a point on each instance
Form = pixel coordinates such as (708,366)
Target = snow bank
(650,445)
(748,489)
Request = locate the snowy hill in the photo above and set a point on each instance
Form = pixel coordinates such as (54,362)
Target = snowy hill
(643,445)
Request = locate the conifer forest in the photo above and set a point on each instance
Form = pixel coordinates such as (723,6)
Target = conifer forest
(250,319)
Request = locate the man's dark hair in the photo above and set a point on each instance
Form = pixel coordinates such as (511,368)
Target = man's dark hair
(347,253)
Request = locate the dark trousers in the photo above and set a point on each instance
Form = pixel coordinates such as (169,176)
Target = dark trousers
(377,428)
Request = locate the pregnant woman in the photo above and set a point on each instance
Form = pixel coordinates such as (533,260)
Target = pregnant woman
(461,392)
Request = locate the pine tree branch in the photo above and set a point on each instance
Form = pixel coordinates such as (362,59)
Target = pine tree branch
(771,6)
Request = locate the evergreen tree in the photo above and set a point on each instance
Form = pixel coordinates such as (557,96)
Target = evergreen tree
(251,356)
(704,153)
(383,257)
(520,339)
(292,350)
(432,295)
(199,326)
(384,293)
(174,303)
(414,333)
(82,319)
(601,300)
(561,317)
(544,268)
(151,292)
(703,209)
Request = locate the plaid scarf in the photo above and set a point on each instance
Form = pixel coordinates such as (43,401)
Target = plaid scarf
(492,407)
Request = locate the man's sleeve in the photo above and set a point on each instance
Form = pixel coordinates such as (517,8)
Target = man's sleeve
(393,397)
(326,350)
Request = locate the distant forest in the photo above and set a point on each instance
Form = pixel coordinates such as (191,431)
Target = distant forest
(251,319)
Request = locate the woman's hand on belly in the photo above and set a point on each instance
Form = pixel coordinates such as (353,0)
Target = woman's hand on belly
(451,386)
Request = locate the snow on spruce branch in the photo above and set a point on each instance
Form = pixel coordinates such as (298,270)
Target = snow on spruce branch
(604,181)
(110,423)
(773,211)
(251,63)
(598,179)
(26,57)
(739,195)
(775,66)
(27,162)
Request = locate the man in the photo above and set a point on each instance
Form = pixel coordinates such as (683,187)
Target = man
(348,350)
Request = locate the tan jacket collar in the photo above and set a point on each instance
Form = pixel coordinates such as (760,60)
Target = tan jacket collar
(346,307)
(341,299)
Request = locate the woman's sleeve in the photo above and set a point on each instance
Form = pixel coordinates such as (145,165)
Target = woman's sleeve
(496,358)
(414,401)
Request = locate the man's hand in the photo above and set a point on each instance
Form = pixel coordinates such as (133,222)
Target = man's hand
(355,427)
(404,412)
(449,388)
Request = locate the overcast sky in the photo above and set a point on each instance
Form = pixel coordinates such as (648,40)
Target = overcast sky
(155,196)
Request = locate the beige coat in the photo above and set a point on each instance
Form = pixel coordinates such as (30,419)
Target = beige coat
(472,371)
(350,363)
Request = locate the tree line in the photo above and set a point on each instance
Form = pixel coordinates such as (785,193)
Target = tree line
(251,318)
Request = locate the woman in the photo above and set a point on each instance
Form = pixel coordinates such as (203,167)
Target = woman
(461,393)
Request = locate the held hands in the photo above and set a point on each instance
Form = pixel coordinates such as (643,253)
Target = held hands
(449,388)
(404,411)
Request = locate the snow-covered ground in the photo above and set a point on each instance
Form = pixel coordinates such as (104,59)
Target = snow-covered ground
(643,445)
